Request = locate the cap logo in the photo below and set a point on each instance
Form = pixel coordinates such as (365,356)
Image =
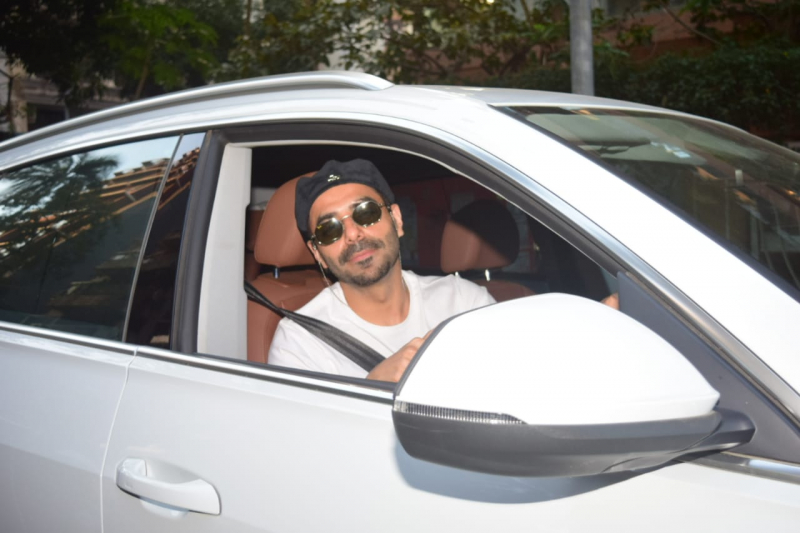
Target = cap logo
(334,177)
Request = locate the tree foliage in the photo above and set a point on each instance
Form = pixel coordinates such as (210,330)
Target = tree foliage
(744,70)
(408,40)
(146,46)
(287,37)
(59,40)
(418,40)
(157,43)
(753,87)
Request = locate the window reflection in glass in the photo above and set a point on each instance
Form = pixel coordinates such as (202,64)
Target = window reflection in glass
(71,231)
(151,313)
(745,190)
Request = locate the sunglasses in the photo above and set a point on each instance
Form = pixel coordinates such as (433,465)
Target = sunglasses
(331,230)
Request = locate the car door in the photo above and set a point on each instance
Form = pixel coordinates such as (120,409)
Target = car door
(72,227)
(209,442)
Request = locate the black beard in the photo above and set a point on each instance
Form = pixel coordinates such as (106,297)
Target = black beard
(365,279)
(353,249)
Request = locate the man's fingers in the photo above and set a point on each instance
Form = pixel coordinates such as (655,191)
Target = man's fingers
(392,368)
(612,301)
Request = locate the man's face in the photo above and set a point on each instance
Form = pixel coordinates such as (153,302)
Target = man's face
(363,255)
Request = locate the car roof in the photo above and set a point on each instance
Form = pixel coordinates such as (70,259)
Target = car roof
(239,102)
(526,97)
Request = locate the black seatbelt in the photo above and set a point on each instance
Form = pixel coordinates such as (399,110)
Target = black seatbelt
(346,344)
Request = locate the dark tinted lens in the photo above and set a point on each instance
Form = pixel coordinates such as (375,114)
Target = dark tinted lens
(328,231)
(367,213)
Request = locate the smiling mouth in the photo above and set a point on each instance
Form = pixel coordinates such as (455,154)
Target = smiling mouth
(357,253)
(362,256)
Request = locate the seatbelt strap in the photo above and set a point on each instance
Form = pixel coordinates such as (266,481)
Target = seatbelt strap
(346,344)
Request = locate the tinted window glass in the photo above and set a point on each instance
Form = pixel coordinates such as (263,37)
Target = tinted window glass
(537,258)
(742,188)
(71,231)
(151,313)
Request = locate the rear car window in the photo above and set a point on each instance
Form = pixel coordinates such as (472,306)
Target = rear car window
(71,233)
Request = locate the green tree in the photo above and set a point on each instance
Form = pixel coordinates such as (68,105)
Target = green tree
(286,37)
(59,40)
(157,43)
(408,40)
(146,46)
(228,19)
(745,69)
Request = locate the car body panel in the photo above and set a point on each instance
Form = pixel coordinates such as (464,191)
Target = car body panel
(288,458)
(57,405)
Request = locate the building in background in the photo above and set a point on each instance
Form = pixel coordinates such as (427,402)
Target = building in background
(29,102)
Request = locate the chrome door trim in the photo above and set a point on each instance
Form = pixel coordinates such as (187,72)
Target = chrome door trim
(754,466)
(308,380)
(72,338)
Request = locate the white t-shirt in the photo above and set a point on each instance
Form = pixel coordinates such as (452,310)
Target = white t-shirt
(433,300)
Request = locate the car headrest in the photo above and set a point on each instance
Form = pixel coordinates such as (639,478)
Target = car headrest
(278,241)
(479,236)
(252,221)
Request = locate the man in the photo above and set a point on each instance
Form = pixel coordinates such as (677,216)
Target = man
(346,213)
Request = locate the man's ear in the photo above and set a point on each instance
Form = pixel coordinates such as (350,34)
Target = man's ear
(397,216)
(312,247)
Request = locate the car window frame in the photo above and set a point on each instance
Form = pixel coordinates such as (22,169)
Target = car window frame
(120,143)
(496,175)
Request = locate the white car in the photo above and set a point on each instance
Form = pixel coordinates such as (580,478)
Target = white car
(135,390)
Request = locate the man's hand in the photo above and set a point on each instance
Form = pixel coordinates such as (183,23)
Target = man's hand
(612,301)
(393,367)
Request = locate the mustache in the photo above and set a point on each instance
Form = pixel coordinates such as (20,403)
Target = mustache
(353,249)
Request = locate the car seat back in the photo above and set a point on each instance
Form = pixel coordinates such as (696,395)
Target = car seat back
(482,236)
(278,243)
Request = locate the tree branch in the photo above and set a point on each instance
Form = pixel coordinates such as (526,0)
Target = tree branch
(526,9)
(697,32)
(144,74)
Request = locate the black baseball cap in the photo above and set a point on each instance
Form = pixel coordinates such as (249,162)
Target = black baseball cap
(331,174)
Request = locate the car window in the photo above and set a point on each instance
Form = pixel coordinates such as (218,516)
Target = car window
(150,320)
(518,256)
(71,233)
(537,259)
(429,195)
(743,190)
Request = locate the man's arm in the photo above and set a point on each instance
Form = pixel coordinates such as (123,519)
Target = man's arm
(393,367)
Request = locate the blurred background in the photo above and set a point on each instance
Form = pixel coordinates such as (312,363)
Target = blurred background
(733,60)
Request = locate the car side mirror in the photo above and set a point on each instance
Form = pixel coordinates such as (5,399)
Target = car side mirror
(556,385)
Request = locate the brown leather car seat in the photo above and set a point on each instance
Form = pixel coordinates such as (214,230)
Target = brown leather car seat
(279,244)
(252,221)
(481,236)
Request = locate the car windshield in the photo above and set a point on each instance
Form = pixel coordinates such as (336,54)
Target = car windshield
(744,189)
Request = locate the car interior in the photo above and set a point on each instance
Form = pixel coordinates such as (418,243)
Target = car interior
(452,224)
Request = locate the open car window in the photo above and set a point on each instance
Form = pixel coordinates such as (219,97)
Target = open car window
(452,225)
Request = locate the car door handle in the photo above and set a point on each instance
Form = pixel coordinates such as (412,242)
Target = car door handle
(193,495)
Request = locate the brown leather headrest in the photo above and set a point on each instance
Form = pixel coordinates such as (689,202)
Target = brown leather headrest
(479,236)
(278,242)
(251,224)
